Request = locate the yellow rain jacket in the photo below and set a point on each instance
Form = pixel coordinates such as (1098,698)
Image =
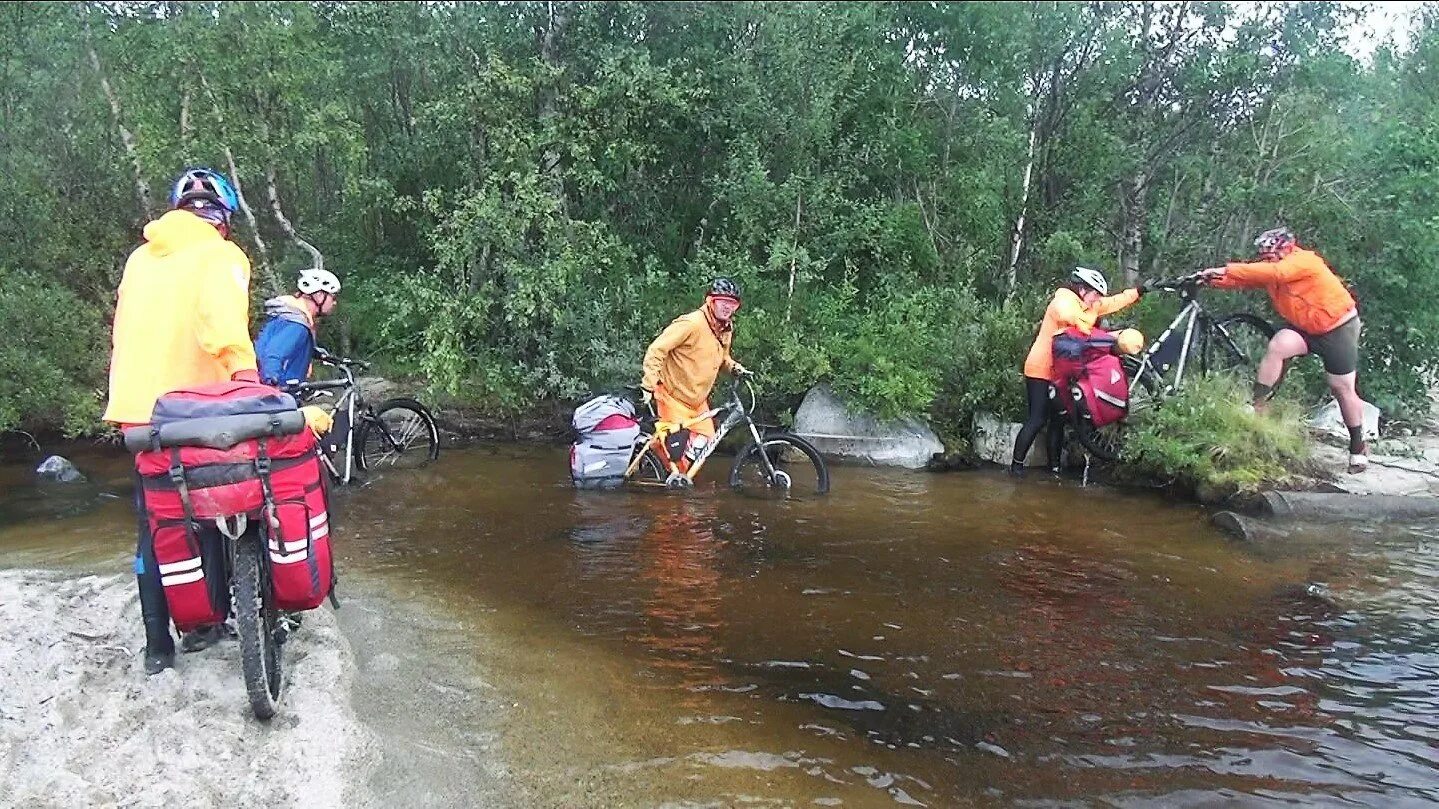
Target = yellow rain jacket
(687,357)
(183,315)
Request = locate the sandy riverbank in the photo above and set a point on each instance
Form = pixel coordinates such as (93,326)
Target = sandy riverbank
(81,725)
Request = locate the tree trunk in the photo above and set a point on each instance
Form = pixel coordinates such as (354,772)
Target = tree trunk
(793,256)
(272,187)
(187,152)
(1016,242)
(556,18)
(264,252)
(127,139)
(1133,209)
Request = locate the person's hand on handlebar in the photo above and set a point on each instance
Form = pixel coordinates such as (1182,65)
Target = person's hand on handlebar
(739,371)
(1211,274)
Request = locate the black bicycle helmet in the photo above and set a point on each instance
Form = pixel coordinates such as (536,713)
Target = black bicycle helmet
(726,287)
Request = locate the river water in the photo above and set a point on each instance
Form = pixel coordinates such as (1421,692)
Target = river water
(910,639)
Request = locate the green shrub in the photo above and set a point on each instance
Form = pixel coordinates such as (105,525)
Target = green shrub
(1206,435)
(52,360)
(982,362)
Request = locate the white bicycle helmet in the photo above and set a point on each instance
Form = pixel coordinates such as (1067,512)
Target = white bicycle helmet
(1093,279)
(314,280)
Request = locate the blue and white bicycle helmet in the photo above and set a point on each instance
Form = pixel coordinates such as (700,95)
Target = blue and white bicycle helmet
(201,187)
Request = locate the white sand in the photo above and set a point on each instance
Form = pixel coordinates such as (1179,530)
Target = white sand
(81,724)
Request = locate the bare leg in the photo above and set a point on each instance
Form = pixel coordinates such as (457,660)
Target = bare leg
(1284,346)
(1351,407)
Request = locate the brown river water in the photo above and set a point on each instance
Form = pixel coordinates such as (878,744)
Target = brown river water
(910,639)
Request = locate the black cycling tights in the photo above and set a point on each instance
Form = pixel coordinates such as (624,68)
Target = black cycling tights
(1036,392)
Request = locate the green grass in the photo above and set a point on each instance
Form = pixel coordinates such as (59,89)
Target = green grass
(1206,435)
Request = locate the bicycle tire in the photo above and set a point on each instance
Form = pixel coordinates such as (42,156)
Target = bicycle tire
(650,470)
(1211,360)
(1146,395)
(1103,443)
(774,445)
(387,449)
(255,622)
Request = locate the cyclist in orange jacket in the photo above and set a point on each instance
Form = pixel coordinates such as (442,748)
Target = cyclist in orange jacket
(1080,303)
(1321,318)
(681,365)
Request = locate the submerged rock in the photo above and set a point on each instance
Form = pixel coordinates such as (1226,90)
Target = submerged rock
(840,431)
(56,469)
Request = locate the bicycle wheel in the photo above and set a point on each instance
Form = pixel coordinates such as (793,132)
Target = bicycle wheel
(799,470)
(650,471)
(1235,344)
(401,434)
(1104,443)
(1144,395)
(255,621)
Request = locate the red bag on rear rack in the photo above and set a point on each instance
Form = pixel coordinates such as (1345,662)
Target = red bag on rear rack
(1090,363)
(225,449)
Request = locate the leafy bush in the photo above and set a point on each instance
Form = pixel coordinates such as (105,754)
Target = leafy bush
(982,362)
(52,360)
(1207,435)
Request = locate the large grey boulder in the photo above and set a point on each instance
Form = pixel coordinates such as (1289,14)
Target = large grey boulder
(849,434)
(1328,421)
(56,469)
(994,441)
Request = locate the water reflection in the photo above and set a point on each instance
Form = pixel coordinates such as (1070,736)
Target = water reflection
(948,640)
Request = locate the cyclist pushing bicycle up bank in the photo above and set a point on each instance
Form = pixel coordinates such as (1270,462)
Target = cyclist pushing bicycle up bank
(1080,303)
(1321,317)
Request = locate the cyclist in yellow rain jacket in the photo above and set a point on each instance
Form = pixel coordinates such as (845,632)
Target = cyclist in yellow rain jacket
(182,319)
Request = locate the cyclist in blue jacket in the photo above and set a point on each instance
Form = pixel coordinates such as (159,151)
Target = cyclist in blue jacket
(287,341)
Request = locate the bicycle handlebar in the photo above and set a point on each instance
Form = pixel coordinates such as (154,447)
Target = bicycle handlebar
(330,359)
(1184,282)
(323,384)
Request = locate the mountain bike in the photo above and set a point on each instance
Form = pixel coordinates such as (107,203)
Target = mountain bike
(773,462)
(1232,344)
(397,433)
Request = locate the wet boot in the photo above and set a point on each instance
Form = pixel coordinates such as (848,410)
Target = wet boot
(204,638)
(1016,469)
(159,647)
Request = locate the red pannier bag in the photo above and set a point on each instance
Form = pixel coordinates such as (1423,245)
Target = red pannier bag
(1090,363)
(225,449)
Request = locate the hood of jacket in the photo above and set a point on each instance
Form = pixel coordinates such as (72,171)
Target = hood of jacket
(291,308)
(178,230)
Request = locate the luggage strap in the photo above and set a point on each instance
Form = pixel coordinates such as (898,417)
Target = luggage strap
(177,477)
(262,468)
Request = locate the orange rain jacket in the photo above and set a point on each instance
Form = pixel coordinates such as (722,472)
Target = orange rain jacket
(1304,290)
(183,315)
(686,358)
(1064,311)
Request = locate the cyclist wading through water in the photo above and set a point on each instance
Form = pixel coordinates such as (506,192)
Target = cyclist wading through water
(287,341)
(181,319)
(1080,303)
(682,364)
(1321,317)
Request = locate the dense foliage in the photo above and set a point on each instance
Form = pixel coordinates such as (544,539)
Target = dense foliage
(519,195)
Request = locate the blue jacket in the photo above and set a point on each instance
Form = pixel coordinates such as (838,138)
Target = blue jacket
(286,343)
